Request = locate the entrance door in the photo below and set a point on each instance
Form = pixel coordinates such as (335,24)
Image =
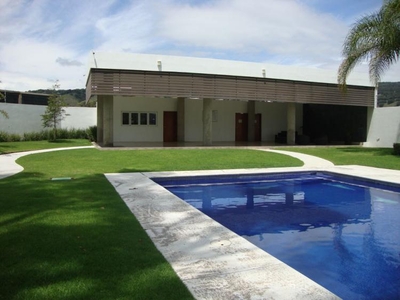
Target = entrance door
(257,128)
(241,127)
(170,126)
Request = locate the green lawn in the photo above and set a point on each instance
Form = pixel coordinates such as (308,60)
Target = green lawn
(77,239)
(372,157)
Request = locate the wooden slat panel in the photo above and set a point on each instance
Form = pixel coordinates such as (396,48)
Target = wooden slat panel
(146,83)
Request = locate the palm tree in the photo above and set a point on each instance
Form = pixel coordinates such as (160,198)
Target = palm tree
(375,37)
(3,112)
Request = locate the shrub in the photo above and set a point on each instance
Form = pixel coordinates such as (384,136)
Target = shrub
(36,136)
(396,148)
(91,133)
(9,137)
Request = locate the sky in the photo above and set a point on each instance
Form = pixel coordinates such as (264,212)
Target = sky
(44,41)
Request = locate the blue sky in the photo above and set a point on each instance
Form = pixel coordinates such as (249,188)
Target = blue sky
(46,40)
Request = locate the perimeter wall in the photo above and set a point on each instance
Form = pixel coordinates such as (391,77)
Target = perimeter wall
(384,127)
(24,118)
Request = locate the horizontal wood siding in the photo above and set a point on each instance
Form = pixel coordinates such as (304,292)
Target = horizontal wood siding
(169,84)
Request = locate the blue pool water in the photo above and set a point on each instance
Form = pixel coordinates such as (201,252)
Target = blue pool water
(341,232)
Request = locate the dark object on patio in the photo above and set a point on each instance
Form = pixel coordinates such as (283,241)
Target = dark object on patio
(281,138)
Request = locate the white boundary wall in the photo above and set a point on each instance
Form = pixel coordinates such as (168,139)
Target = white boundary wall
(25,118)
(384,127)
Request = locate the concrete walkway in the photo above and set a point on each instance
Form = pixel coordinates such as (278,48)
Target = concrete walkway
(308,160)
(9,167)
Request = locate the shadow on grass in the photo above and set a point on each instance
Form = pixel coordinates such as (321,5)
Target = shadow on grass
(373,151)
(59,141)
(76,240)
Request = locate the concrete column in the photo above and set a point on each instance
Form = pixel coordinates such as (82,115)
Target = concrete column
(108,121)
(251,114)
(181,119)
(100,107)
(207,122)
(20,98)
(291,123)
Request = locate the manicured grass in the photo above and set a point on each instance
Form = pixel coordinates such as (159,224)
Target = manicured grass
(372,157)
(10,147)
(77,240)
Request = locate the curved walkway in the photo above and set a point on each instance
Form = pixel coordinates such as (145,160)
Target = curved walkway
(9,167)
(309,161)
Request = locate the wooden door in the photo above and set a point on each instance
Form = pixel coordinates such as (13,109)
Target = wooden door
(241,127)
(170,126)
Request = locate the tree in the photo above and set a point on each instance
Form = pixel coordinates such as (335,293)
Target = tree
(375,37)
(3,112)
(54,112)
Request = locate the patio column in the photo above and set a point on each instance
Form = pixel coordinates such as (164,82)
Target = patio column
(207,122)
(100,107)
(108,121)
(251,113)
(181,119)
(291,123)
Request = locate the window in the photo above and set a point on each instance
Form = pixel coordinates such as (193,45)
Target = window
(134,118)
(139,118)
(125,118)
(152,119)
(143,118)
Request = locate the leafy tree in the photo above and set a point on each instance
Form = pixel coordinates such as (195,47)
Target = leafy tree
(375,37)
(54,112)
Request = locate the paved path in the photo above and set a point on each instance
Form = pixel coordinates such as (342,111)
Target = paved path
(9,167)
(308,160)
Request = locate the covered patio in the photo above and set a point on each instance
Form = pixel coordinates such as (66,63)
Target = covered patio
(153,100)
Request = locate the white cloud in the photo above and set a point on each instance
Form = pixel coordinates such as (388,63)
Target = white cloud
(276,28)
(129,30)
(37,63)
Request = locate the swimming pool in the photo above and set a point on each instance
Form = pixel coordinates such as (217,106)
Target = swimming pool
(339,231)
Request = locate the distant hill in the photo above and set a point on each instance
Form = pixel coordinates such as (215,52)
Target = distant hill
(388,95)
(72,97)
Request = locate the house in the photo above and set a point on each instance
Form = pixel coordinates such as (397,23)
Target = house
(150,99)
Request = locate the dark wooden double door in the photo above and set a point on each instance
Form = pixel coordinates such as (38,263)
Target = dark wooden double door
(242,127)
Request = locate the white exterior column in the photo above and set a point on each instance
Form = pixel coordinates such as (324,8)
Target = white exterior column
(100,107)
(251,113)
(181,119)
(291,123)
(108,120)
(207,122)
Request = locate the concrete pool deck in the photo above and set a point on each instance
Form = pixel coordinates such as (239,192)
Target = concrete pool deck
(211,260)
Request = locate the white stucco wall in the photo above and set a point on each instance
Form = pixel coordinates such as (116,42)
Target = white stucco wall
(140,133)
(79,117)
(274,119)
(24,118)
(384,127)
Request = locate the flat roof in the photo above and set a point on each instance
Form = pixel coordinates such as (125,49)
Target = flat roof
(167,63)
